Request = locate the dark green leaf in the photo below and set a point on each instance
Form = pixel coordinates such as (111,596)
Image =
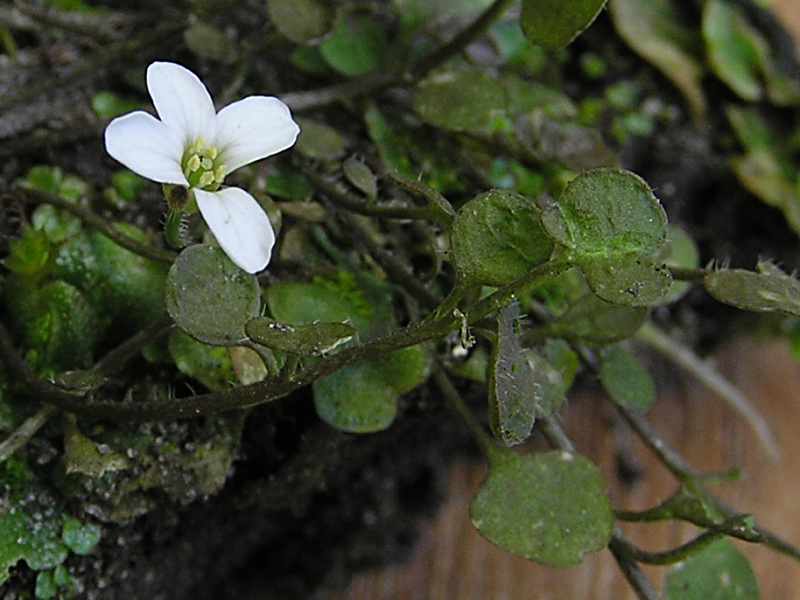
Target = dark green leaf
(626,380)
(497,237)
(308,340)
(460,100)
(301,20)
(555,23)
(594,320)
(210,365)
(769,290)
(361,176)
(629,280)
(718,572)
(550,508)
(211,298)
(655,31)
(356,47)
(79,537)
(207,41)
(320,141)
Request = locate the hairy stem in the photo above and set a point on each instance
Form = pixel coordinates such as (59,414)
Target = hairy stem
(19,437)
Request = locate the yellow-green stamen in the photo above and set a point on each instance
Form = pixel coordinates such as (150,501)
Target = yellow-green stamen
(202,166)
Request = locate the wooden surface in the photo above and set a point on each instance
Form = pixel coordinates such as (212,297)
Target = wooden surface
(453,562)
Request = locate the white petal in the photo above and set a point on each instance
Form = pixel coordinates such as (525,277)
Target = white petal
(240,225)
(182,101)
(252,129)
(146,146)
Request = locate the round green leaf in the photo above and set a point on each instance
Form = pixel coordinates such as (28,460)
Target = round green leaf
(79,537)
(356,399)
(497,237)
(630,280)
(307,340)
(301,20)
(680,251)
(718,572)
(608,213)
(626,380)
(319,141)
(655,31)
(210,365)
(550,508)
(356,47)
(555,23)
(209,297)
(594,320)
(460,100)
(361,176)
(771,290)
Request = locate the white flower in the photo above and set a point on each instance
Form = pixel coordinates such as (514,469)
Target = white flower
(195,146)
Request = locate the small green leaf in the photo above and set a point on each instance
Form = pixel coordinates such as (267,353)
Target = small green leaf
(307,340)
(717,572)
(108,105)
(361,176)
(362,398)
(79,537)
(208,41)
(554,23)
(512,403)
(356,46)
(30,254)
(301,20)
(347,298)
(497,237)
(609,213)
(46,587)
(320,141)
(594,320)
(654,30)
(460,100)
(550,508)
(769,290)
(626,380)
(210,365)
(288,184)
(209,297)
(523,385)
(356,399)
(629,280)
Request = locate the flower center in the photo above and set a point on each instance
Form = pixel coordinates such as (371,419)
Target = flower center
(202,166)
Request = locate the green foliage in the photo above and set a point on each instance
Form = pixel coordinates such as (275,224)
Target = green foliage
(523,507)
(554,24)
(360,398)
(307,340)
(320,141)
(523,385)
(718,572)
(208,41)
(29,255)
(769,290)
(592,319)
(655,31)
(209,297)
(210,365)
(301,21)
(460,100)
(361,177)
(767,168)
(680,251)
(626,380)
(741,57)
(613,227)
(108,105)
(497,237)
(356,46)
(79,537)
